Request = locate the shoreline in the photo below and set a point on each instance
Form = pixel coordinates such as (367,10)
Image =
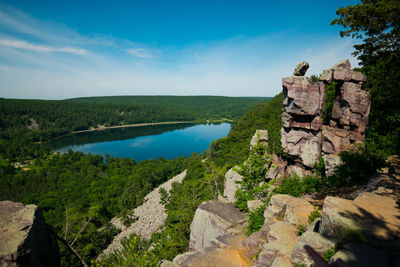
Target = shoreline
(132,125)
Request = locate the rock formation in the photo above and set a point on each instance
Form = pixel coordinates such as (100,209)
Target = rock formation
(304,137)
(25,238)
(213,219)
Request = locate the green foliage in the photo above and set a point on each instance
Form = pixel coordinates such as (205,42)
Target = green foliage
(234,149)
(297,187)
(135,252)
(300,229)
(256,220)
(85,192)
(253,171)
(200,107)
(331,92)
(254,168)
(358,166)
(328,254)
(164,196)
(241,199)
(376,23)
(313,216)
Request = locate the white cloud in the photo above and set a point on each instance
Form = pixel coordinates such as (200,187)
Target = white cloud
(139,53)
(41,48)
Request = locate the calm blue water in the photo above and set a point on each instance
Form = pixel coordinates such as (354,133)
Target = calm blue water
(170,144)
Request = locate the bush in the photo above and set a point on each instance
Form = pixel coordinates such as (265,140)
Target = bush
(297,187)
(256,220)
(358,166)
(313,216)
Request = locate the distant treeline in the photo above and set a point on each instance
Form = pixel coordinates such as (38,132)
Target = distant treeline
(25,122)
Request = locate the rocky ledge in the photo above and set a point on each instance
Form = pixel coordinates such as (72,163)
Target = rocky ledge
(26,240)
(364,231)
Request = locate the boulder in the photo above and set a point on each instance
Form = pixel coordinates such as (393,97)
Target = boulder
(231,185)
(282,237)
(363,255)
(261,136)
(290,209)
(315,240)
(342,71)
(213,219)
(301,69)
(253,205)
(326,76)
(254,243)
(26,240)
(370,216)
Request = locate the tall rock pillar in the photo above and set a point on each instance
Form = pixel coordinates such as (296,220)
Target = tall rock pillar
(304,102)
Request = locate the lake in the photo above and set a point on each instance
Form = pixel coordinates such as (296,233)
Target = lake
(140,143)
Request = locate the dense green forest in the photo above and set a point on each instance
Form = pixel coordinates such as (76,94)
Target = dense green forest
(77,191)
(201,107)
(24,123)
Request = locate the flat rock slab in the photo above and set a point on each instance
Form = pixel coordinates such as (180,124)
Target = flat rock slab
(213,219)
(288,208)
(376,217)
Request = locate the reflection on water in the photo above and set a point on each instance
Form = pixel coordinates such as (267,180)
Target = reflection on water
(167,141)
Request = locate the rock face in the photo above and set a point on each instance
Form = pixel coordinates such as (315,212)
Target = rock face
(213,219)
(282,237)
(150,216)
(230,185)
(375,217)
(25,238)
(303,136)
(291,209)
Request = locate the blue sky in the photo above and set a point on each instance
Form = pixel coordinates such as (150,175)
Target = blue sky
(70,48)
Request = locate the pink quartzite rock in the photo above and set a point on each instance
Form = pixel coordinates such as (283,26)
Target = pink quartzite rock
(25,239)
(213,219)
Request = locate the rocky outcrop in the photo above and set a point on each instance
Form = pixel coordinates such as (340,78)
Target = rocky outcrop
(232,178)
(213,219)
(291,209)
(303,136)
(149,217)
(314,239)
(301,69)
(25,239)
(282,237)
(376,218)
(260,137)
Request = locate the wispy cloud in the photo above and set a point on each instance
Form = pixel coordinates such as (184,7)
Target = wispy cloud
(41,48)
(139,53)
(41,53)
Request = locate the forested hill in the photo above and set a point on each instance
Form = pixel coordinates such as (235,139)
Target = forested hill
(201,107)
(23,122)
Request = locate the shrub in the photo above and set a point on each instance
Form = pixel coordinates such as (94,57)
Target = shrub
(256,220)
(297,187)
(313,216)
(358,166)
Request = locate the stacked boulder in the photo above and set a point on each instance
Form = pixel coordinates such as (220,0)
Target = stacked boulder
(304,137)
